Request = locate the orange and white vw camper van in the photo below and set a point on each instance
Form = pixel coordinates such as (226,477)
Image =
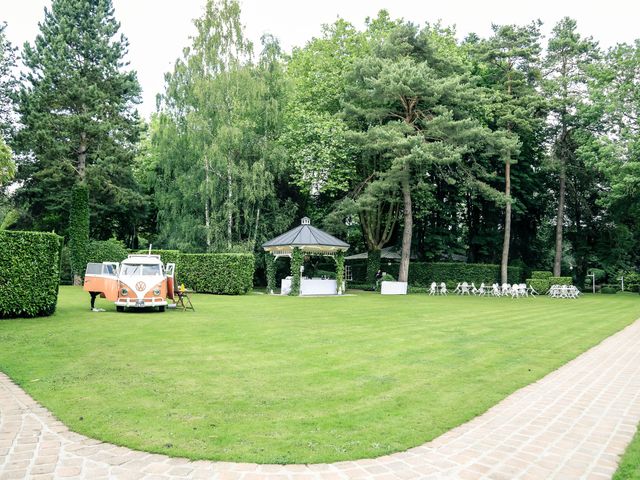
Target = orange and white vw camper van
(139,281)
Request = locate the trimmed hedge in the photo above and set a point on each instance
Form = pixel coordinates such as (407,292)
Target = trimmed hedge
(29,273)
(221,273)
(421,274)
(541,274)
(560,281)
(106,251)
(540,285)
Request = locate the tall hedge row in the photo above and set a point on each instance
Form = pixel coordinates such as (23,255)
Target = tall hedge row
(222,273)
(422,273)
(29,273)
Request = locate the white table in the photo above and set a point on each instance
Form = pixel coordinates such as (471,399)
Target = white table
(393,288)
(311,286)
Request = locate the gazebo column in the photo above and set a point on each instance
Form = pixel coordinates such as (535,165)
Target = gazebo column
(296,266)
(270,263)
(342,283)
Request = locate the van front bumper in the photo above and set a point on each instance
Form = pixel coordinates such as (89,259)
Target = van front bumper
(141,302)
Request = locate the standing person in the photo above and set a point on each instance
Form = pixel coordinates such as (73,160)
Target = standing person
(94,295)
(378,279)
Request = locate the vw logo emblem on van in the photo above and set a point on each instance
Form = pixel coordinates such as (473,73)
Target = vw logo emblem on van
(141,286)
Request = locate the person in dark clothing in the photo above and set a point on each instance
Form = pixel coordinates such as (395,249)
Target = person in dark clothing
(94,295)
(378,279)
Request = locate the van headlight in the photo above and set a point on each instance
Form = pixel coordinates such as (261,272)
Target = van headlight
(124,292)
(156,291)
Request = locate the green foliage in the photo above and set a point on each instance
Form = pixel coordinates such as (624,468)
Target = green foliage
(373,265)
(79,229)
(8,87)
(219,273)
(541,274)
(270,262)
(540,285)
(106,251)
(387,277)
(29,273)
(215,140)
(7,166)
(77,107)
(342,283)
(297,260)
(609,289)
(560,280)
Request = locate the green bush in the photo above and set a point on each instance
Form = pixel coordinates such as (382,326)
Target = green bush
(540,285)
(608,290)
(541,274)
(560,281)
(297,260)
(386,277)
(106,251)
(29,273)
(360,286)
(221,273)
(421,274)
(411,289)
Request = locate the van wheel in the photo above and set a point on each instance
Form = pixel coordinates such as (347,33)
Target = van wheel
(119,308)
(161,308)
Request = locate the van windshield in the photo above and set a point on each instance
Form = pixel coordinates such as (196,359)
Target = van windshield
(140,269)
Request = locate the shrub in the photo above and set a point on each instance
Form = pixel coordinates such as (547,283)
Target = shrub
(29,273)
(221,273)
(386,277)
(106,251)
(296,262)
(411,289)
(372,266)
(79,229)
(540,285)
(360,286)
(560,281)
(608,290)
(421,274)
(541,274)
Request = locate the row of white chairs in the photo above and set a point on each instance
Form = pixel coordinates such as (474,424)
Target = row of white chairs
(563,291)
(495,290)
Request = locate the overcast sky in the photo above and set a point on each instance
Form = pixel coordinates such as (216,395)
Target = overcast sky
(158,30)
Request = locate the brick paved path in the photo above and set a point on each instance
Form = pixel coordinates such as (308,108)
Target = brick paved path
(574,423)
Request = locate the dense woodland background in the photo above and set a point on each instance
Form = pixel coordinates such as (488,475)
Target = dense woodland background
(512,149)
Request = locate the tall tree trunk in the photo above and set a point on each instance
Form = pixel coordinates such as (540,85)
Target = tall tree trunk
(81,213)
(82,156)
(255,236)
(557,264)
(229,203)
(207,213)
(507,223)
(403,275)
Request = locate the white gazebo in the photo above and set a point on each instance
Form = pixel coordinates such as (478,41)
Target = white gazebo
(305,239)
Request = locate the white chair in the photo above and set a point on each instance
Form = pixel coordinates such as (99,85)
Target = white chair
(474,290)
(482,290)
(457,289)
(523,289)
(465,289)
(506,289)
(495,290)
(443,288)
(434,289)
(532,291)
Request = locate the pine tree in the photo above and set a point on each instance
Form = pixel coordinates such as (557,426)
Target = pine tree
(565,84)
(77,105)
(8,84)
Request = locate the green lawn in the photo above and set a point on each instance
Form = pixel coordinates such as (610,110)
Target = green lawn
(281,379)
(629,468)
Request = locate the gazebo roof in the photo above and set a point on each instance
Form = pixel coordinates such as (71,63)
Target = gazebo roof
(306,236)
